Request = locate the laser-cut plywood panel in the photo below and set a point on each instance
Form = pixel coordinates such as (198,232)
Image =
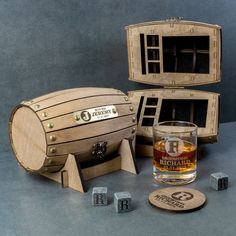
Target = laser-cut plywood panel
(174,53)
(198,107)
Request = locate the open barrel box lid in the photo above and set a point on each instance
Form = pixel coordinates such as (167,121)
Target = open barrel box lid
(174,54)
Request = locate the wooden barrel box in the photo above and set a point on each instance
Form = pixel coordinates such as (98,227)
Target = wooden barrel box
(174,54)
(89,123)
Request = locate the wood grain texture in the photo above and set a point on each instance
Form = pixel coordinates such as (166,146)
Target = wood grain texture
(179,199)
(28,139)
(68,120)
(207,134)
(75,179)
(173,28)
(44,131)
(73,94)
(92,129)
(71,175)
(81,104)
(85,146)
(127,154)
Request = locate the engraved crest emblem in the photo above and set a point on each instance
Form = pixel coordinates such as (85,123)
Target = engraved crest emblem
(174,146)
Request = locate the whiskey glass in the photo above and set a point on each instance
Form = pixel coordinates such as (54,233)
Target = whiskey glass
(174,152)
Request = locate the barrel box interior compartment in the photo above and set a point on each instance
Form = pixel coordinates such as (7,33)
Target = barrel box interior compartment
(175,54)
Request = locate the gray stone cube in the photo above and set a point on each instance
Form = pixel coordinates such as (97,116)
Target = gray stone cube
(99,196)
(219,181)
(122,202)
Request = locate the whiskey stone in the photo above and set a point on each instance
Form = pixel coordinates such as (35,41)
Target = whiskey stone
(219,181)
(122,202)
(99,196)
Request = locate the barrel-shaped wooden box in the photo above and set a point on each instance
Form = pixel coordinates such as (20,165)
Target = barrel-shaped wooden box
(87,122)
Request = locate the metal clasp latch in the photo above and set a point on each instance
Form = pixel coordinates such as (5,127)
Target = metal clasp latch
(99,149)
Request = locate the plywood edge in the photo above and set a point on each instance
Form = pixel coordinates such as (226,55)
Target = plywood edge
(125,161)
(75,178)
(102,169)
(54,94)
(149,92)
(154,81)
(128,162)
(167,21)
(27,138)
(71,175)
(80,93)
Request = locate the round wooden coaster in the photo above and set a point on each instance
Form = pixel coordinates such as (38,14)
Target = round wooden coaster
(177,199)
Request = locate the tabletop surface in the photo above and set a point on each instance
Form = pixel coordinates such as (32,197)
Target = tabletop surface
(34,205)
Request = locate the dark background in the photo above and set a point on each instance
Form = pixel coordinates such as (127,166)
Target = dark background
(48,45)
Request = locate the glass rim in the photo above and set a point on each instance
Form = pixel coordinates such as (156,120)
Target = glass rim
(187,123)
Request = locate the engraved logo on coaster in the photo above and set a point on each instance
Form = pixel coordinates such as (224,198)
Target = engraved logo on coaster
(177,199)
(182,196)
